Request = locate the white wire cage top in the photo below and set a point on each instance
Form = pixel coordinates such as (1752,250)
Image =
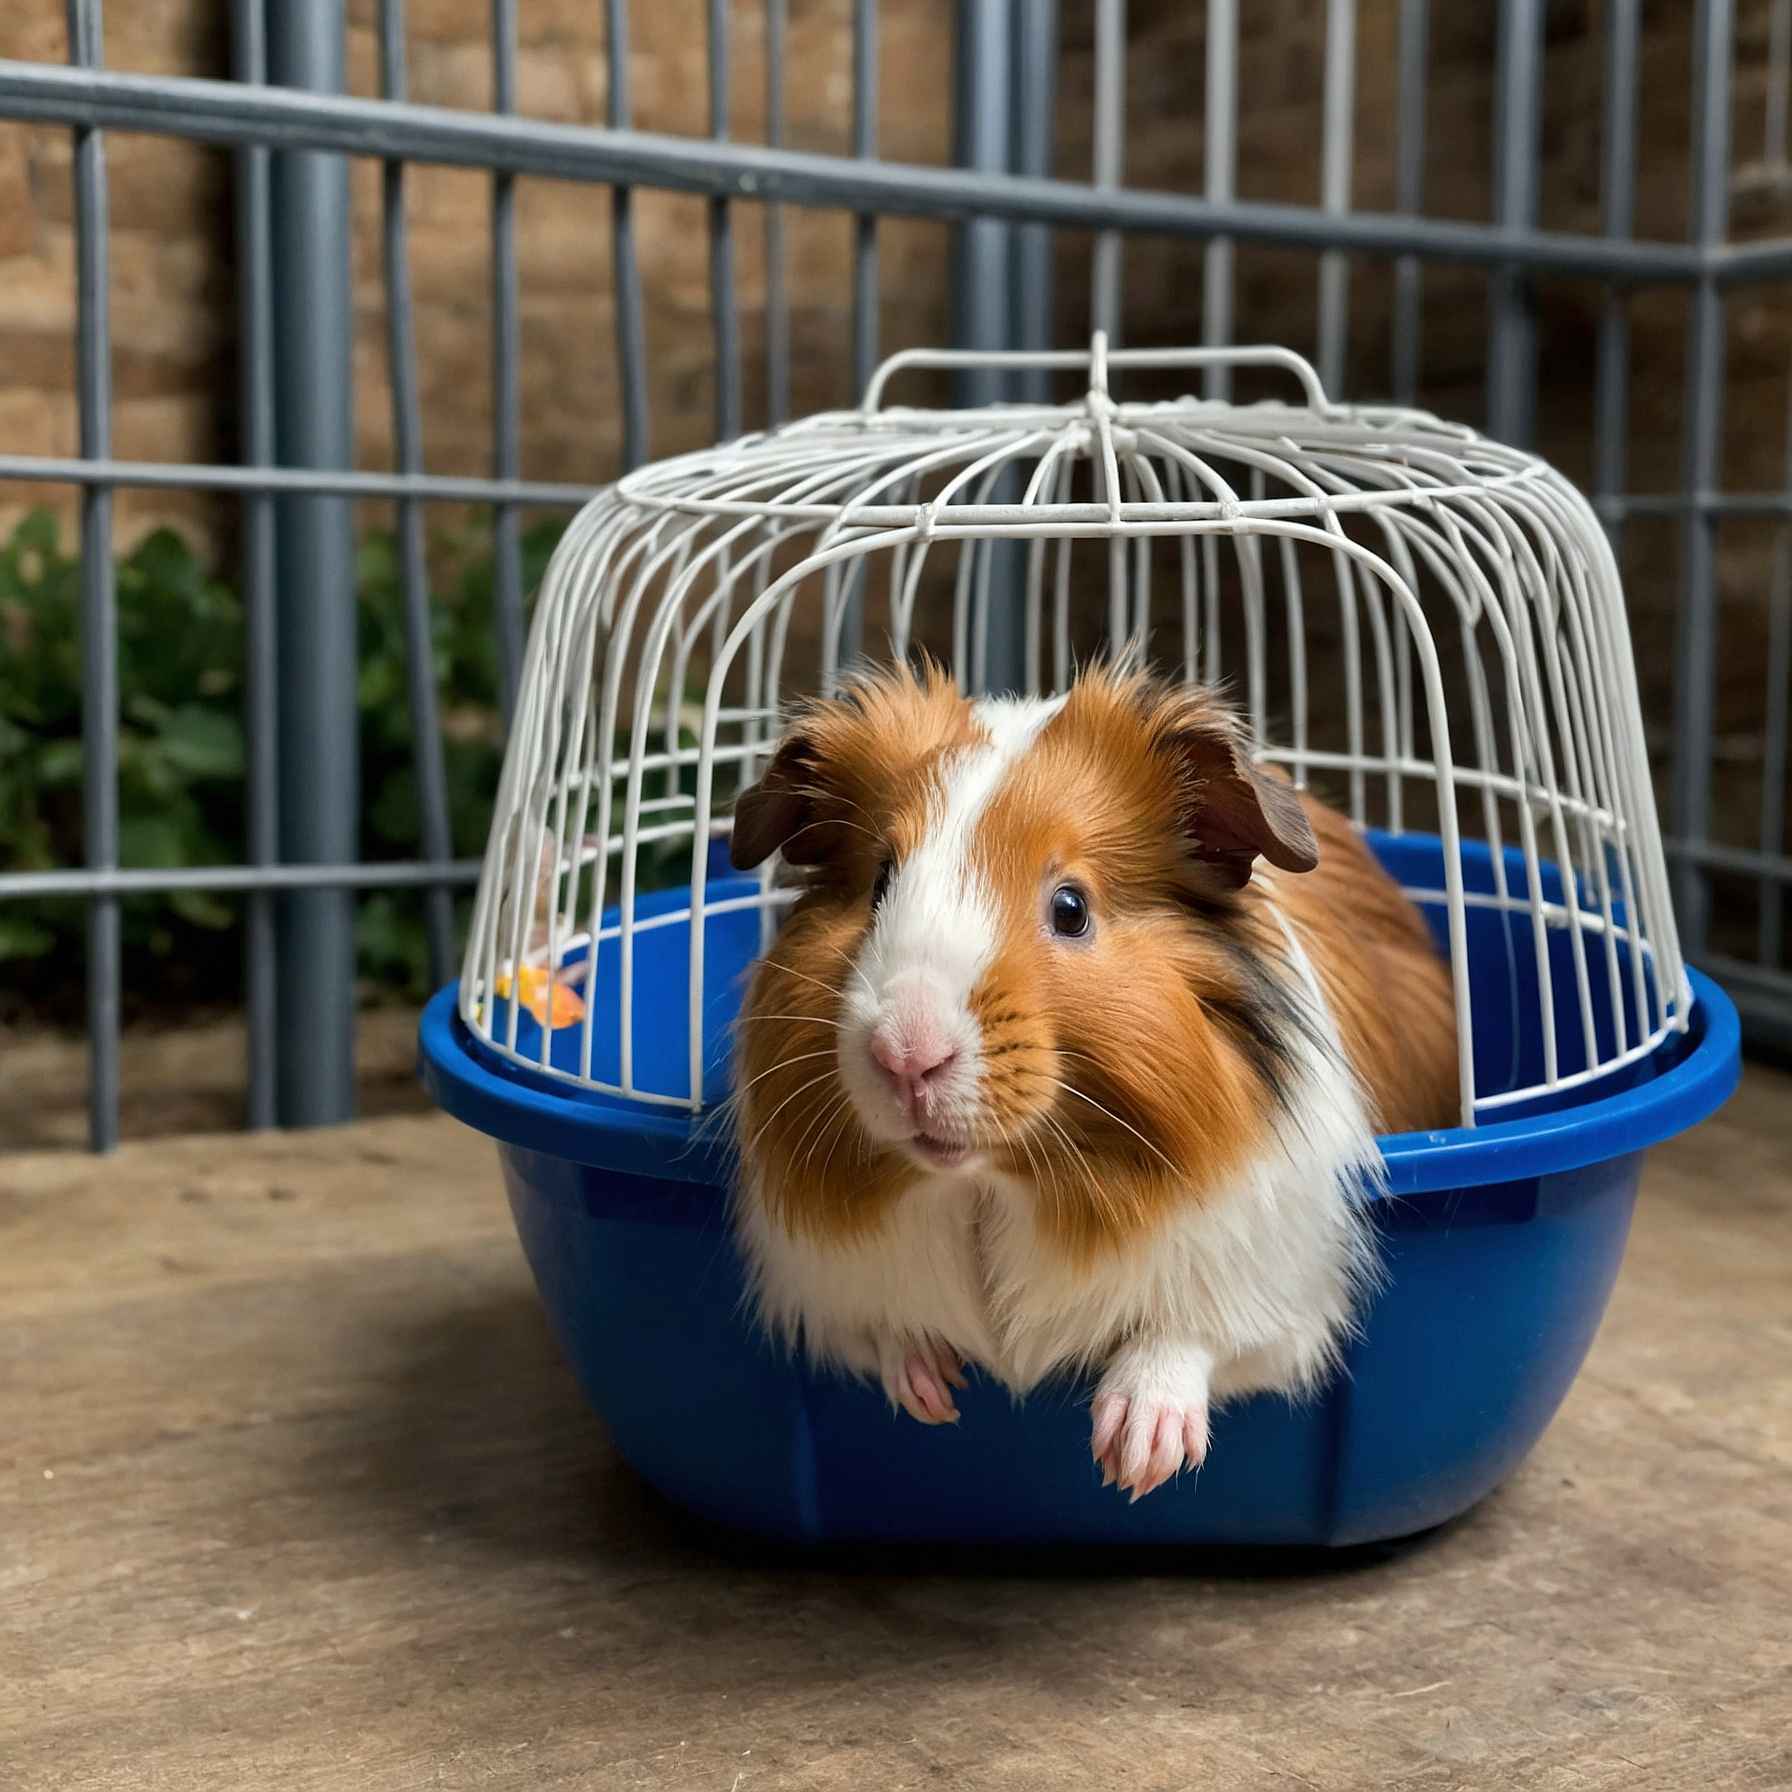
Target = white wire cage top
(1425,621)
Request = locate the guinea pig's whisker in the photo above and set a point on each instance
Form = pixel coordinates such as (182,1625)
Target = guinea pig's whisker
(1042,1162)
(1013,1144)
(1079,1158)
(1039,1179)
(844,1128)
(838,821)
(713,1119)
(1108,1113)
(741,1020)
(822,1109)
(782,1063)
(791,971)
(1002,1133)
(802,1089)
(1072,1089)
(1047,1178)
(1078,1148)
(817,794)
(819,1126)
(841,1127)
(852,965)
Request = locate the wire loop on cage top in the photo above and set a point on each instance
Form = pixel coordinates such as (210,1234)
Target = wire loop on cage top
(1428,621)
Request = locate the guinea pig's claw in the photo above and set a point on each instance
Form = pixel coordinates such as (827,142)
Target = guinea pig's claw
(1140,1443)
(928,1395)
(920,1382)
(1109,1412)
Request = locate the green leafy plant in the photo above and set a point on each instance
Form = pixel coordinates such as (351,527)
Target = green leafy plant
(181,748)
(389,937)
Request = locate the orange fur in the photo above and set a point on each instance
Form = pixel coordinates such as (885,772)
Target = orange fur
(1124,1097)
(1389,991)
(866,765)
(869,767)
(826,1178)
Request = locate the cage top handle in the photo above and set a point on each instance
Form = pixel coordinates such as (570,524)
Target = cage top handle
(1099,359)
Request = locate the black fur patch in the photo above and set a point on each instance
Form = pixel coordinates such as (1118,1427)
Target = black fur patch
(1264,1021)
(1255,1030)
(1268,1022)
(1201,901)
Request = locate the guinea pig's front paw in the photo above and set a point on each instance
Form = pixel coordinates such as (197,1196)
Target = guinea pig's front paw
(919,1376)
(1150,1416)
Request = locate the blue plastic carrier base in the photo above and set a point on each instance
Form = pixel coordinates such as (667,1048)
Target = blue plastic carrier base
(1501,1245)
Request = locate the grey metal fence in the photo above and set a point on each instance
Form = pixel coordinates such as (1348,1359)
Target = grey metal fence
(292,128)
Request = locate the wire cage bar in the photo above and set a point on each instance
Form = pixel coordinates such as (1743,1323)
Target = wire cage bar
(1487,668)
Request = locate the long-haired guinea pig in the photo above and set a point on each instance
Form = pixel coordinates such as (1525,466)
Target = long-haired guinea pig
(1070,1054)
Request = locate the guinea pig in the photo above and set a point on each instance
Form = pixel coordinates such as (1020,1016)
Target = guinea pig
(1070,1054)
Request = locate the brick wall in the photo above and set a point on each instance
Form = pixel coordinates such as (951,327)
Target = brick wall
(171,278)
(172,281)
(172,288)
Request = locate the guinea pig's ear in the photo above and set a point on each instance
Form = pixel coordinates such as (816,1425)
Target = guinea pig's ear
(782,809)
(1233,812)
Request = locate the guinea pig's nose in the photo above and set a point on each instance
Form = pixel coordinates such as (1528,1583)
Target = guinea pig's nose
(912,1057)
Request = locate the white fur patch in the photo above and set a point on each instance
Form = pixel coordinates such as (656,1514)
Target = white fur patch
(937,929)
(938,917)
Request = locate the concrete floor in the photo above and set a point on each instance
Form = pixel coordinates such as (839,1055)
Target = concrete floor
(296,1494)
(190,1077)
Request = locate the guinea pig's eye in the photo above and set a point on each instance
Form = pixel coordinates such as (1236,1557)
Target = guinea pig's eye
(881,883)
(1070,912)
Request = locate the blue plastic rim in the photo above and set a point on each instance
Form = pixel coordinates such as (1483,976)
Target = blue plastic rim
(1501,1243)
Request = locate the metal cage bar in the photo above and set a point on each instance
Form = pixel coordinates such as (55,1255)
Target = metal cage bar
(1409,176)
(261,693)
(1695,656)
(1776,870)
(631,331)
(294,487)
(1518,127)
(777,299)
(1034,29)
(427,759)
(1110,160)
(864,227)
(724,309)
(223,112)
(315,580)
(1220,150)
(1779,86)
(507,397)
(1617,183)
(1337,135)
(99,598)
